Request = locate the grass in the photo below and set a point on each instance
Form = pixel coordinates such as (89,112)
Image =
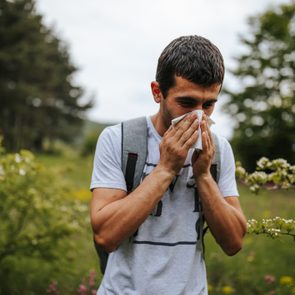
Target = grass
(240,274)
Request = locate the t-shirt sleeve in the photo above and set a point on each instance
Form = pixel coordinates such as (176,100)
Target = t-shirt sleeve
(227,180)
(107,172)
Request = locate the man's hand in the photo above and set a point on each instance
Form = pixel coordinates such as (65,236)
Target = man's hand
(176,142)
(201,160)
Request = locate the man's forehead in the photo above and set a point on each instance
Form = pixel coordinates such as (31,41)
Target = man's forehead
(182,83)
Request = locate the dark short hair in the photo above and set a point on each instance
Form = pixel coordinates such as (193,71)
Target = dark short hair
(193,58)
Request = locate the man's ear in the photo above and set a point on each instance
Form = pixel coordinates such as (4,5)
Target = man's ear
(157,94)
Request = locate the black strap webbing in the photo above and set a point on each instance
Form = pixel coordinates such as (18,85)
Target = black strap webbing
(130,170)
(213,170)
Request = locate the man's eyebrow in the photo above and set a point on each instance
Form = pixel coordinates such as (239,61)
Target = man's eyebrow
(210,100)
(195,100)
(188,98)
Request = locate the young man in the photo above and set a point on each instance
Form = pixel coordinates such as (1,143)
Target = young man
(152,232)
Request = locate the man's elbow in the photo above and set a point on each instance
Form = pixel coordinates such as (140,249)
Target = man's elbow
(233,248)
(234,245)
(104,243)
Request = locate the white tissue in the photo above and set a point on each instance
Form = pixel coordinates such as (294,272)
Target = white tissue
(198,144)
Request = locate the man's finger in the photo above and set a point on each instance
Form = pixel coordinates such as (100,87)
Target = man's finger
(184,125)
(186,135)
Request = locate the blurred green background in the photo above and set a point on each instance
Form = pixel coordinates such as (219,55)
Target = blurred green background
(46,243)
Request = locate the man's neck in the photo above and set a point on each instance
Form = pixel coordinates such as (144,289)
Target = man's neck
(158,123)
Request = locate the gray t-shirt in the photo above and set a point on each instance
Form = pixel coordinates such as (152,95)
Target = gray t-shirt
(165,254)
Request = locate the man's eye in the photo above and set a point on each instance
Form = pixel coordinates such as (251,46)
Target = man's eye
(208,105)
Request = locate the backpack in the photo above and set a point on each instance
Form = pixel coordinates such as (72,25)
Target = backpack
(133,158)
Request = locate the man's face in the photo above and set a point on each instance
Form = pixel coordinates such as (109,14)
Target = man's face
(186,96)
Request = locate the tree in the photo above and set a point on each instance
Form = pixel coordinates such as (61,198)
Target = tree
(263,107)
(39,99)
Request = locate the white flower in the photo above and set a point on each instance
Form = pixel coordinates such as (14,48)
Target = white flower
(262,162)
(18,158)
(22,172)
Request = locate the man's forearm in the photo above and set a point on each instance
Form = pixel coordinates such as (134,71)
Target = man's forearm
(223,215)
(120,219)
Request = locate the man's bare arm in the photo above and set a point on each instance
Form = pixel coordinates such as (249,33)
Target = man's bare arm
(223,215)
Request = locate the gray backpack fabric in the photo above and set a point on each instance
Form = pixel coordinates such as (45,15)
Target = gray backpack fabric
(133,158)
(134,150)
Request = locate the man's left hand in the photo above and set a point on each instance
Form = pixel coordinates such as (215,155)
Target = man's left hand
(202,159)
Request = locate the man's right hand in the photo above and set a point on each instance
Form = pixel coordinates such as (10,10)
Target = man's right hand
(176,142)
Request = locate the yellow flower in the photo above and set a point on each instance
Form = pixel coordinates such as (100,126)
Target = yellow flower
(286,281)
(210,288)
(227,290)
(82,194)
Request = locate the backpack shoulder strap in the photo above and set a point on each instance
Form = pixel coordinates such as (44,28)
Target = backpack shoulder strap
(216,162)
(134,150)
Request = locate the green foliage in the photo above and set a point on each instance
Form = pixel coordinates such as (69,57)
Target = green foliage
(39,223)
(89,144)
(39,99)
(262,105)
(92,131)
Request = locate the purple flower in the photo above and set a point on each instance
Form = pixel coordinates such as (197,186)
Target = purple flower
(52,288)
(82,289)
(269,279)
(92,275)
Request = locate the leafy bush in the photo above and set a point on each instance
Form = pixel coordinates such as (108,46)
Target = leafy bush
(89,144)
(39,224)
(90,135)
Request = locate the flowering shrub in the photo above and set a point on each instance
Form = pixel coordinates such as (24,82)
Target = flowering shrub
(39,219)
(270,174)
(273,227)
(276,174)
(35,212)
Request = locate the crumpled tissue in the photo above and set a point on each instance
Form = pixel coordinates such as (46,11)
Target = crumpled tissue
(198,144)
